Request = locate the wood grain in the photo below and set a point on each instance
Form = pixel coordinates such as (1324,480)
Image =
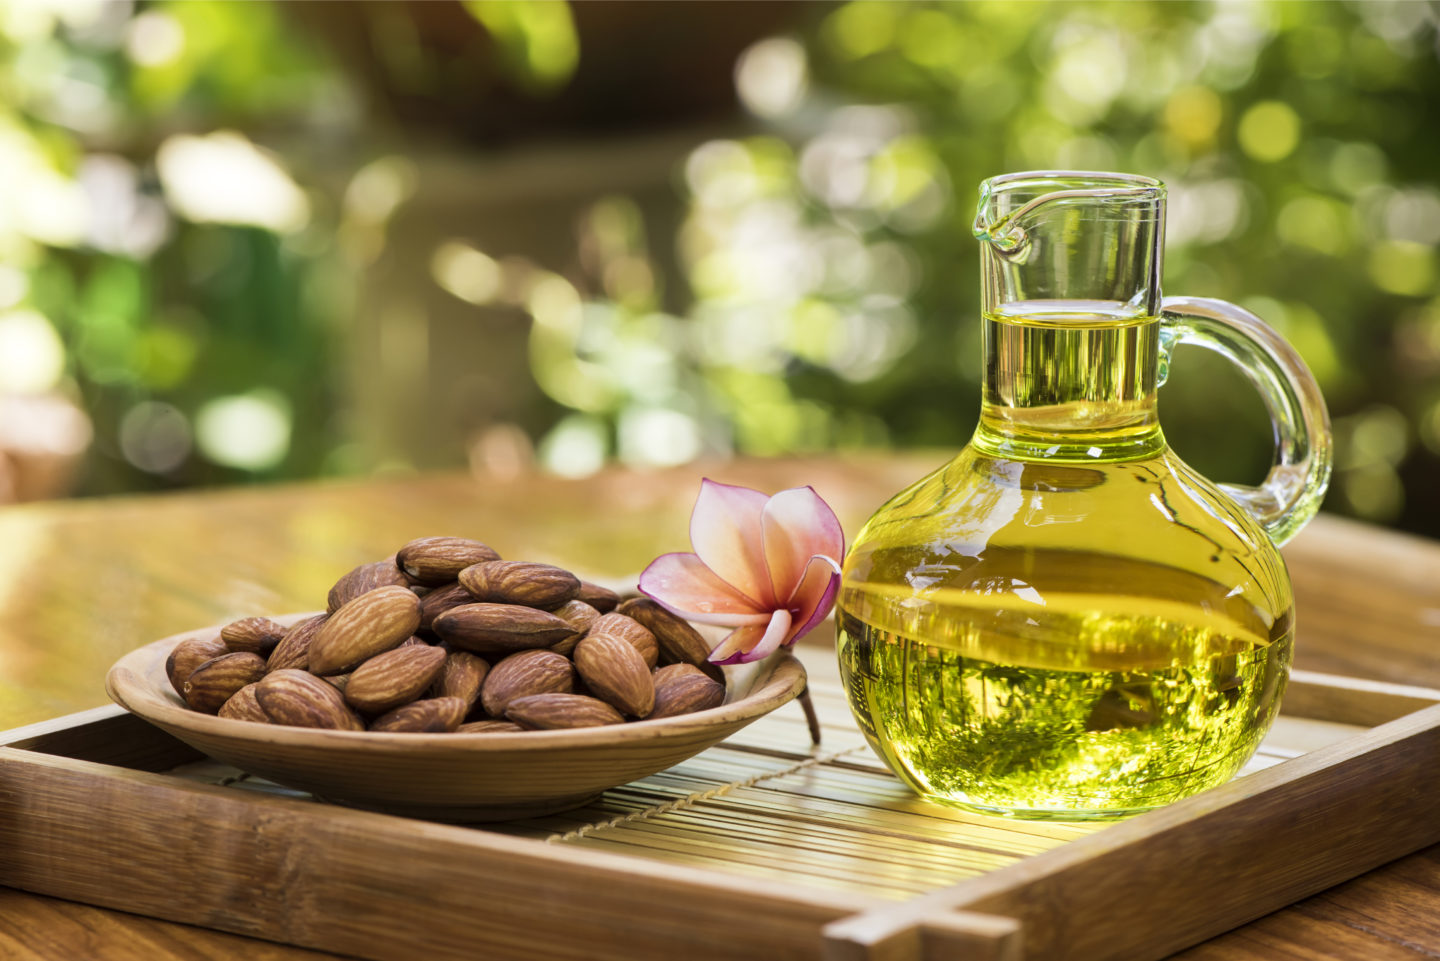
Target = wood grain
(106,735)
(379,887)
(1352,700)
(1257,833)
(1388,913)
(36,928)
(1367,602)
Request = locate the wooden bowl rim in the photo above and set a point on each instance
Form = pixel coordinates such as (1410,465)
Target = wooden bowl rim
(134,682)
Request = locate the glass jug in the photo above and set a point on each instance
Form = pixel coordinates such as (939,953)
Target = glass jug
(1066,621)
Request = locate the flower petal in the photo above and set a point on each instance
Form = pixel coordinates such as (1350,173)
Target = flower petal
(775,635)
(797,525)
(726,533)
(815,595)
(736,643)
(682,583)
(752,642)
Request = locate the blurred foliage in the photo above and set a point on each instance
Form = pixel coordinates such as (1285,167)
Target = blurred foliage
(190,288)
(170,269)
(836,281)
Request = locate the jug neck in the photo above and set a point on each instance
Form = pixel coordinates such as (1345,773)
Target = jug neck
(1075,385)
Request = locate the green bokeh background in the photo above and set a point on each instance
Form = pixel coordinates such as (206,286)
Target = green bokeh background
(800,278)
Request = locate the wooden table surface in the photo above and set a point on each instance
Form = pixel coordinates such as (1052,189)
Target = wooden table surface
(82,582)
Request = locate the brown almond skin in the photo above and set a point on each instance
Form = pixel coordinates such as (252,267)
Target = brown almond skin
(616,673)
(489,726)
(499,628)
(213,683)
(299,699)
(437,715)
(255,635)
(337,681)
(549,712)
(189,655)
(440,600)
(363,580)
(579,616)
(520,582)
(393,678)
(462,676)
(601,598)
(242,706)
(370,624)
(293,651)
(664,674)
(566,648)
(633,631)
(679,642)
(438,560)
(523,674)
(683,689)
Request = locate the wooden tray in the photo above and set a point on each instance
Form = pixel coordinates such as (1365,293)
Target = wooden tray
(757,848)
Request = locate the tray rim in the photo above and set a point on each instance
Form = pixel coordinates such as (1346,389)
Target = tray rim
(474,835)
(856,927)
(989,895)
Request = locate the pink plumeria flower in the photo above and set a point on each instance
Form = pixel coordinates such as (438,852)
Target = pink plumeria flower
(767,566)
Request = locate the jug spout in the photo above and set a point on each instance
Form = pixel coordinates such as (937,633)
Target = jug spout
(1071,236)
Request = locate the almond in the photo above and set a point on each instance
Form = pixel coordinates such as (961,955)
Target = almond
(440,600)
(437,560)
(337,681)
(293,651)
(255,635)
(363,580)
(370,624)
(633,631)
(190,654)
(523,674)
(213,683)
(438,715)
(393,678)
(520,582)
(462,676)
(556,711)
(679,642)
(500,628)
(615,672)
(299,699)
(683,689)
(489,727)
(242,706)
(601,598)
(664,674)
(579,616)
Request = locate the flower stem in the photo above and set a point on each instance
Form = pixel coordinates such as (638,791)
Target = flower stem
(811,718)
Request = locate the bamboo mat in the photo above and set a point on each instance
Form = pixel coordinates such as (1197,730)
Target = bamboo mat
(764,804)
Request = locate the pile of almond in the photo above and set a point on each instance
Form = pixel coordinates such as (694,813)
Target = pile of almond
(446,636)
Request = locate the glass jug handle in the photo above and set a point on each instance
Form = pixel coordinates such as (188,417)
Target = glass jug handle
(1291,493)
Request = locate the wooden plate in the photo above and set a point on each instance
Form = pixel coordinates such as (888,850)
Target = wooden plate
(445,777)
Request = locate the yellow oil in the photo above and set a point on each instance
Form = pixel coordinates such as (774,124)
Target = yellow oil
(1072,704)
(1065,620)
